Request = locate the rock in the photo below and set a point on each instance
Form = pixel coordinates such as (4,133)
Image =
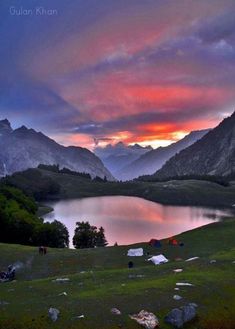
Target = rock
(175,317)
(3,303)
(193,304)
(177,297)
(178,270)
(115,311)
(212,261)
(63,294)
(61,280)
(53,313)
(189,312)
(191,259)
(146,319)
(184,284)
(179,316)
(82,316)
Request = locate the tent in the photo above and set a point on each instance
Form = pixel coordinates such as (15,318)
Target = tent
(159,259)
(135,252)
(173,242)
(155,243)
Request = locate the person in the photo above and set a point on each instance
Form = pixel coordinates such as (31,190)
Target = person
(10,272)
(130,264)
(40,250)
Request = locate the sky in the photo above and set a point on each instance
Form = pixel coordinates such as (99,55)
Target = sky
(90,72)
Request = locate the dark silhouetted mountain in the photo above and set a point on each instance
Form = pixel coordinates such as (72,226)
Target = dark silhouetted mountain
(117,156)
(214,154)
(5,127)
(153,160)
(24,148)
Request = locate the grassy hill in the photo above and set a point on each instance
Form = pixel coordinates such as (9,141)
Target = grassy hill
(52,185)
(100,280)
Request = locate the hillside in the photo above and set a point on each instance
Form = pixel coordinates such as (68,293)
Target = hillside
(24,148)
(100,280)
(153,160)
(214,154)
(49,185)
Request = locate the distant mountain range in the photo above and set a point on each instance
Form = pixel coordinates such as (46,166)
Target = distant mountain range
(24,148)
(151,161)
(214,154)
(117,156)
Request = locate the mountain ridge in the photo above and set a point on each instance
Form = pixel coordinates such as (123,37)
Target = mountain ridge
(115,157)
(24,148)
(214,154)
(149,162)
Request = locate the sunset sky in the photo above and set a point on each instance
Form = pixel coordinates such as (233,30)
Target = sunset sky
(140,71)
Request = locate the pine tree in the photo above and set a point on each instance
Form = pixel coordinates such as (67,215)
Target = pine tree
(100,238)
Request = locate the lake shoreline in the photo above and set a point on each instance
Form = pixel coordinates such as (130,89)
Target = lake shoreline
(141,219)
(189,192)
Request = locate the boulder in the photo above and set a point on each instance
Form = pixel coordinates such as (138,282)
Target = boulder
(115,311)
(53,313)
(177,297)
(179,316)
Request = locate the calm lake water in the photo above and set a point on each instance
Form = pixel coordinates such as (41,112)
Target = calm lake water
(129,220)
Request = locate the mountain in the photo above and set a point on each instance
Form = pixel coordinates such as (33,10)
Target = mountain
(153,160)
(5,127)
(214,154)
(24,148)
(117,156)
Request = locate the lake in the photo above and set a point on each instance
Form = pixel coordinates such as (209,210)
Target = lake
(129,220)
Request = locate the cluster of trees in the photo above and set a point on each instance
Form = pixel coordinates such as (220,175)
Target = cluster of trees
(221,180)
(20,224)
(56,169)
(88,236)
(33,183)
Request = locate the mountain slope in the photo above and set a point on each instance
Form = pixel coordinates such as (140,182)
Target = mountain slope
(214,154)
(153,160)
(117,156)
(24,148)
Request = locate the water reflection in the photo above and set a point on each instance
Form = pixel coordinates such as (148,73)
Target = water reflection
(129,219)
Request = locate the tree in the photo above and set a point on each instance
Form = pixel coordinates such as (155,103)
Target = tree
(61,234)
(53,235)
(100,238)
(87,236)
(20,224)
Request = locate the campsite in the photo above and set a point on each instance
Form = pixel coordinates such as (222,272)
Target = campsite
(85,285)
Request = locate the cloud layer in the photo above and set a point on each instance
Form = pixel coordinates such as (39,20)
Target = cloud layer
(139,71)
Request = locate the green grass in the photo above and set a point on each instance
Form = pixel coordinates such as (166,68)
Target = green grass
(178,192)
(175,192)
(100,280)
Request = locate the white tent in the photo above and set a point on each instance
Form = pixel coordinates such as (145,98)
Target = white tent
(135,252)
(159,259)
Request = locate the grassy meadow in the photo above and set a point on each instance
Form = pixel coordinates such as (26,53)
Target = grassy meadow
(100,280)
